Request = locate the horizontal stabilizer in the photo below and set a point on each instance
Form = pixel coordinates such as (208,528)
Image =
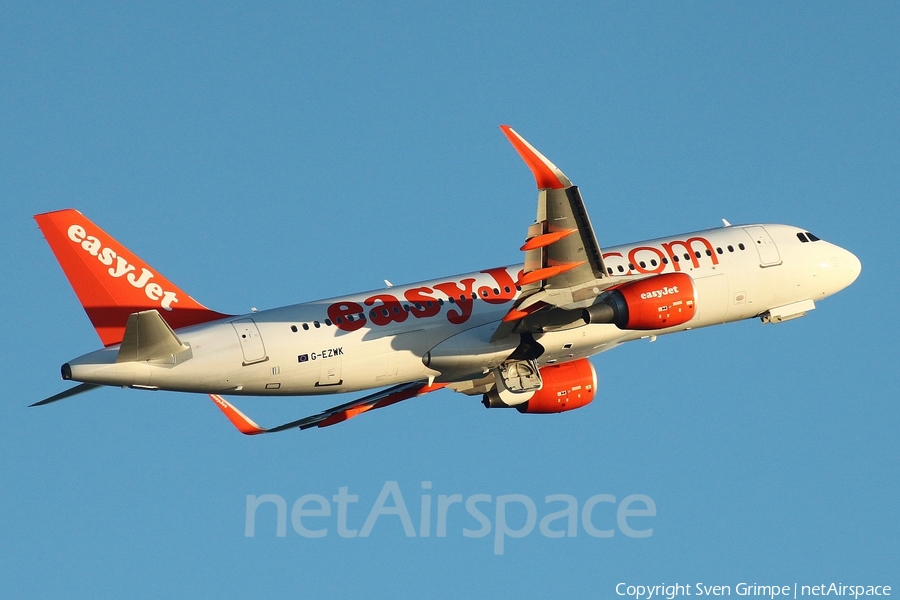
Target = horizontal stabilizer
(148,337)
(84,387)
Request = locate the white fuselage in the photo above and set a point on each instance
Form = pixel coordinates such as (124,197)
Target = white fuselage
(380,338)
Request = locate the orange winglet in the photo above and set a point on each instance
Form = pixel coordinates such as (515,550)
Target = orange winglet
(242,422)
(546,174)
(543,240)
(546,273)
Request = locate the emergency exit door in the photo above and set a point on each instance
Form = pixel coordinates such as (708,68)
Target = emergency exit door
(251,341)
(765,246)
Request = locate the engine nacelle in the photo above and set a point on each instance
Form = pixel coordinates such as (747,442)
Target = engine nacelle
(567,386)
(654,303)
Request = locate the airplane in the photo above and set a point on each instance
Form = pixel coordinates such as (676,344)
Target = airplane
(518,336)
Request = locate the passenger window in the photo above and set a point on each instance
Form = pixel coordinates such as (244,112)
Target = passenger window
(719,250)
(653,262)
(687,256)
(328,322)
(306,327)
(316,324)
(631,266)
(708,252)
(731,248)
(697,253)
(506,289)
(294,328)
(675,258)
(643,264)
(621,269)
(665,260)
(742,247)
(610,270)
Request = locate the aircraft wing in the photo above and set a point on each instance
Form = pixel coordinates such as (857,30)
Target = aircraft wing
(561,250)
(334,415)
(564,269)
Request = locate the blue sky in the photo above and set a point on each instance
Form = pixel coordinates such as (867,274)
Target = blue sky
(260,154)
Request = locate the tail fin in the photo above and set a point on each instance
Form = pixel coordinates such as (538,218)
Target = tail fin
(110,281)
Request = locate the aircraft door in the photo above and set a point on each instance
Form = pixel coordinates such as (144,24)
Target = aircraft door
(765,246)
(251,341)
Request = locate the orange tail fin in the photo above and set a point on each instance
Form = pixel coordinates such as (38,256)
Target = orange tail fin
(110,281)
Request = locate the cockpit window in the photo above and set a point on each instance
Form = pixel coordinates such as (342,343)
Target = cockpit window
(802,237)
(811,237)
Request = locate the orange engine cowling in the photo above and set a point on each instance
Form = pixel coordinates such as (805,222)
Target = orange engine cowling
(567,386)
(653,303)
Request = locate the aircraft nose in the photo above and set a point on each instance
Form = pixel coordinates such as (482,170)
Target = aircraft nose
(853,267)
(839,268)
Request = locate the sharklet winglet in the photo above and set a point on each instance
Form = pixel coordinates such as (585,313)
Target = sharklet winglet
(242,422)
(546,174)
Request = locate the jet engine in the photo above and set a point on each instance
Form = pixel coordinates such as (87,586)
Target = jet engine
(653,303)
(566,386)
